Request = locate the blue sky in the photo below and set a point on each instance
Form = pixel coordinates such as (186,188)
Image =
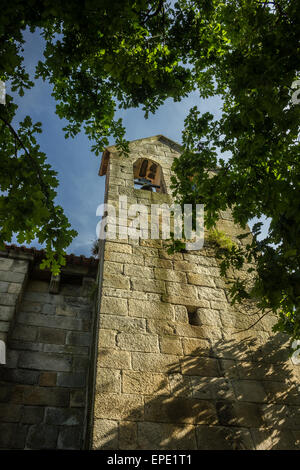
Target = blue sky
(81,190)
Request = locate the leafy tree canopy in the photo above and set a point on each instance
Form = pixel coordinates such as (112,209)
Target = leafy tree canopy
(100,55)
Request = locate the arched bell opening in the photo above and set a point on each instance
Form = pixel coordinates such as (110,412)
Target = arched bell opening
(148,176)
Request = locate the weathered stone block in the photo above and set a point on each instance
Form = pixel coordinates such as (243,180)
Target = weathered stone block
(124,294)
(10,276)
(170,345)
(10,413)
(41,396)
(6,264)
(20,266)
(174,256)
(26,345)
(7,433)
(65,310)
(48,379)
(32,414)
(115,406)
(114,359)
(123,258)
(180,385)
(180,410)
(119,281)
(77,398)
(204,366)
(188,301)
(74,379)
(249,390)
(105,434)
(200,280)
(152,362)
(41,297)
(42,436)
(108,381)
(230,368)
(170,275)
(279,392)
(8,299)
(23,332)
(81,363)
(20,435)
(44,361)
(64,416)
(137,342)
(113,268)
(107,339)
(4,286)
(215,388)
(246,415)
(78,338)
(32,307)
(14,288)
(145,384)
(52,321)
(148,285)
(209,317)
(145,251)
(51,335)
(6,313)
(70,438)
(181,314)
(222,438)
(166,436)
(113,305)
(196,347)
(128,435)
(17,376)
(184,290)
(119,323)
(159,263)
(161,327)
(118,247)
(213,334)
(187,266)
(150,309)
(138,271)
(65,349)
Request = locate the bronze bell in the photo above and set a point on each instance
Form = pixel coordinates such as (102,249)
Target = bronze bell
(147,187)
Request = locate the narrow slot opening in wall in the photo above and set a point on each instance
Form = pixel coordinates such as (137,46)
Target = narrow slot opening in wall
(193,315)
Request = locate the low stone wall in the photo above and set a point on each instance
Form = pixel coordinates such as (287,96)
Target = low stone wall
(44,383)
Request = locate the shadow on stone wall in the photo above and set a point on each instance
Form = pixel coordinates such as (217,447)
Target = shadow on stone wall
(239,395)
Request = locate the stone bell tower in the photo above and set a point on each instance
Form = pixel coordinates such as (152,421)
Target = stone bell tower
(178,367)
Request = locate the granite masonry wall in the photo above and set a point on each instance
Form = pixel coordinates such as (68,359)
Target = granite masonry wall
(177,366)
(13,276)
(44,382)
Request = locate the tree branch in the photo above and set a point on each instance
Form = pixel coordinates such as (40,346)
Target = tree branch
(37,168)
(249,328)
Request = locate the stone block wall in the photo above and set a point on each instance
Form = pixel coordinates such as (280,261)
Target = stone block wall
(44,383)
(177,366)
(13,274)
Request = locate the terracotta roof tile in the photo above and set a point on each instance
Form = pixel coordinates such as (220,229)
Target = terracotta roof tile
(39,254)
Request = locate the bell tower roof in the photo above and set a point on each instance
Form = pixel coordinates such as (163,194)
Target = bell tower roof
(113,148)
